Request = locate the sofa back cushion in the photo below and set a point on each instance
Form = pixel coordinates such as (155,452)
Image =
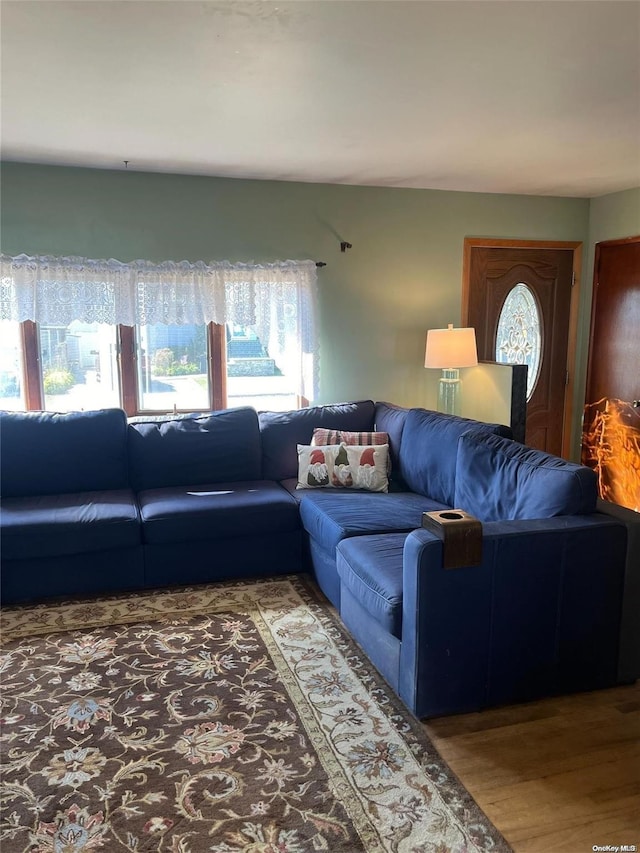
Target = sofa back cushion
(499,480)
(429,451)
(391,419)
(47,453)
(221,447)
(282,432)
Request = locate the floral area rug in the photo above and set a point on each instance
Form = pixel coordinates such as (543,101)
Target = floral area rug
(224,718)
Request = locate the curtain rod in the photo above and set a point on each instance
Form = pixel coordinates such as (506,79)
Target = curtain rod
(344,245)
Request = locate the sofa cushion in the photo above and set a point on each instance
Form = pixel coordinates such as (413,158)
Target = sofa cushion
(429,451)
(291,485)
(501,480)
(330,516)
(46,453)
(217,511)
(370,567)
(221,447)
(56,525)
(391,419)
(282,432)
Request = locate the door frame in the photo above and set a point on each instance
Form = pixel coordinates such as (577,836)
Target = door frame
(622,241)
(576,247)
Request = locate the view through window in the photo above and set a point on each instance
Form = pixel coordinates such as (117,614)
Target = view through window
(172,367)
(79,366)
(254,378)
(11,389)
(78,369)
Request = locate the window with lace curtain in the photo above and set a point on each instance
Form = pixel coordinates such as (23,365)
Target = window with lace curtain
(172,337)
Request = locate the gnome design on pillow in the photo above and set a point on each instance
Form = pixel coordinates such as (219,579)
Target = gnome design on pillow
(341,477)
(318,473)
(367,474)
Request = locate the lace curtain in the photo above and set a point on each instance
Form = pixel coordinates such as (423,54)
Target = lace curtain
(277,300)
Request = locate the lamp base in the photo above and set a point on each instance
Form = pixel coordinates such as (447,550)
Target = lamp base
(449,391)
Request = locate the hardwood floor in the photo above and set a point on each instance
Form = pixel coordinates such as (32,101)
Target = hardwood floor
(559,775)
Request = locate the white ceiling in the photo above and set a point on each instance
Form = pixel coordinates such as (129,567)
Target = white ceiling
(483,95)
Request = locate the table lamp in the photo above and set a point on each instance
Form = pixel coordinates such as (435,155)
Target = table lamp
(450,349)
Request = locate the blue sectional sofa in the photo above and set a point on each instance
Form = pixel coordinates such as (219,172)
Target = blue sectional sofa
(94,503)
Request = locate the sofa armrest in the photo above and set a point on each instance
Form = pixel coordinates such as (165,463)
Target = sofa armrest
(540,614)
(445,629)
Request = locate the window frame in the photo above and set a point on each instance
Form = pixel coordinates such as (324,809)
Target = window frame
(32,379)
(127,369)
(31,372)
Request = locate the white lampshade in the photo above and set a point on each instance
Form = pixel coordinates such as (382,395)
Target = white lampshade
(451,348)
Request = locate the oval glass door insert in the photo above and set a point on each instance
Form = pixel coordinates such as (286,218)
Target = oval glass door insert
(519,337)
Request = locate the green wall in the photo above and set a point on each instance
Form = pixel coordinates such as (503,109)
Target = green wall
(402,276)
(614,216)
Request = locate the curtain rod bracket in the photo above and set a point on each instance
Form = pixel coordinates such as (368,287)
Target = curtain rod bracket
(344,246)
(320,264)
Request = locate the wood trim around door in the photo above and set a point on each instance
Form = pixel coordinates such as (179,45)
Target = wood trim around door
(576,247)
(623,241)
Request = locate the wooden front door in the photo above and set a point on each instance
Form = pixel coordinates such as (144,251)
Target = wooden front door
(611,425)
(520,300)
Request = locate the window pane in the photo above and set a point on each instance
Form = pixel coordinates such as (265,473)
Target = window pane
(11,391)
(79,366)
(172,367)
(255,378)
(518,340)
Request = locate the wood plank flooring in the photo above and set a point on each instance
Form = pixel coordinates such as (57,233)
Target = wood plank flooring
(559,775)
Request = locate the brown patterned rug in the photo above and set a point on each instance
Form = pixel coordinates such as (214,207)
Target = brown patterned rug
(225,718)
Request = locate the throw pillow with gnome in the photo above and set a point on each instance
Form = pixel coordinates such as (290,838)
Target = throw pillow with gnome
(366,475)
(351,467)
(317,473)
(341,476)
